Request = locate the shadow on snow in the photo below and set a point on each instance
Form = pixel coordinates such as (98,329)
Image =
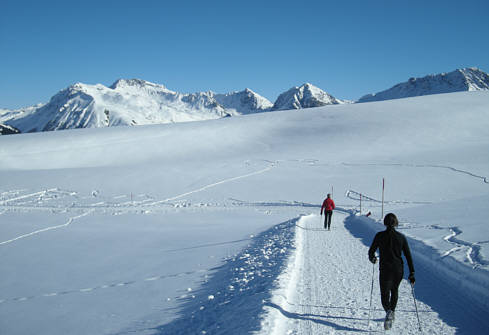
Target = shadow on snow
(437,283)
(316,318)
(232,298)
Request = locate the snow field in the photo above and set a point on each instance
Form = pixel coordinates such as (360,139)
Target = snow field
(148,230)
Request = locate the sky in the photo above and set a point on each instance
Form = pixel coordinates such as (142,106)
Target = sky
(347,48)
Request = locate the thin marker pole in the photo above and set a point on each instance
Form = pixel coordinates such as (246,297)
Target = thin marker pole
(360,203)
(383,187)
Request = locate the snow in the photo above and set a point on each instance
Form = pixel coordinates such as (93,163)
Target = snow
(466,79)
(130,102)
(305,96)
(244,102)
(138,102)
(330,292)
(212,226)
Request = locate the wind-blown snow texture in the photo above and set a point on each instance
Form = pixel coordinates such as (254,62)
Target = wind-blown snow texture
(468,79)
(206,226)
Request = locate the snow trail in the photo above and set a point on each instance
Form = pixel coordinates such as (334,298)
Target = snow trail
(326,289)
(268,168)
(70,221)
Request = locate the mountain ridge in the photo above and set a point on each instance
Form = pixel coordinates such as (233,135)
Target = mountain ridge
(130,102)
(465,79)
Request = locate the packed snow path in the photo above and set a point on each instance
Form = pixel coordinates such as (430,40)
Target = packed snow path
(326,289)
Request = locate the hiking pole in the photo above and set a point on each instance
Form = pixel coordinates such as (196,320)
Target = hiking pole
(371,293)
(416,307)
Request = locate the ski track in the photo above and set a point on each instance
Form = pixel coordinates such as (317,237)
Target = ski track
(36,199)
(214,184)
(326,289)
(55,193)
(321,295)
(483,178)
(70,221)
(472,250)
(101,287)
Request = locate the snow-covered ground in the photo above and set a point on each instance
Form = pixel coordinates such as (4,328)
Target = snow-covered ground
(206,227)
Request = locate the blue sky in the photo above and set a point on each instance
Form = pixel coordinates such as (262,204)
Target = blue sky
(347,48)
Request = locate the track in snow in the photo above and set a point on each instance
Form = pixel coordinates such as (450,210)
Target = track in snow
(326,289)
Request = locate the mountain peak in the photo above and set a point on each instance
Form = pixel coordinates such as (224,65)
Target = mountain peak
(305,96)
(465,79)
(244,102)
(138,83)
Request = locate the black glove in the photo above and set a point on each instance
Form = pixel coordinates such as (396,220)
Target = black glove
(411,278)
(373,259)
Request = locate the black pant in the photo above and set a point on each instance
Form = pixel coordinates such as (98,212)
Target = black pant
(389,286)
(327,219)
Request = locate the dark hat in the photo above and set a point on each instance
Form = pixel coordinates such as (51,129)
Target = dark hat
(390,220)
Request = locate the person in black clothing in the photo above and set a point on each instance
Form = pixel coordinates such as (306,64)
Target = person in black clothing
(391,245)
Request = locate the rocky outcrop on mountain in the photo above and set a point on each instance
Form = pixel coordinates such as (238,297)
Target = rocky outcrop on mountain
(8,130)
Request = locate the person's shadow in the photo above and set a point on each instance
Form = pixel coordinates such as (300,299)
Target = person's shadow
(319,319)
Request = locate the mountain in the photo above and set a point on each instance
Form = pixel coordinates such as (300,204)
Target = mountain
(244,102)
(126,102)
(305,96)
(467,79)
(130,102)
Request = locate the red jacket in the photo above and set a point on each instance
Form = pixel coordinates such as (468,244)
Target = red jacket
(328,205)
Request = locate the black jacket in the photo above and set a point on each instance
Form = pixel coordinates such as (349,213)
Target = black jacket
(391,244)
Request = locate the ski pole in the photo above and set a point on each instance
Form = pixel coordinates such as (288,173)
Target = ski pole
(416,307)
(371,293)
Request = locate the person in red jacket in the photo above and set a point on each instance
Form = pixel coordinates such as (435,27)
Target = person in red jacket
(328,206)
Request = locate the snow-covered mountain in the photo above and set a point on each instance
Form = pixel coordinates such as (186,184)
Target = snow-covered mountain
(130,102)
(244,102)
(126,102)
(305,96)
(467,79)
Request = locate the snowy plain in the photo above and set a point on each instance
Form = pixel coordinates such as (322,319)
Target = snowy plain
(200,227)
